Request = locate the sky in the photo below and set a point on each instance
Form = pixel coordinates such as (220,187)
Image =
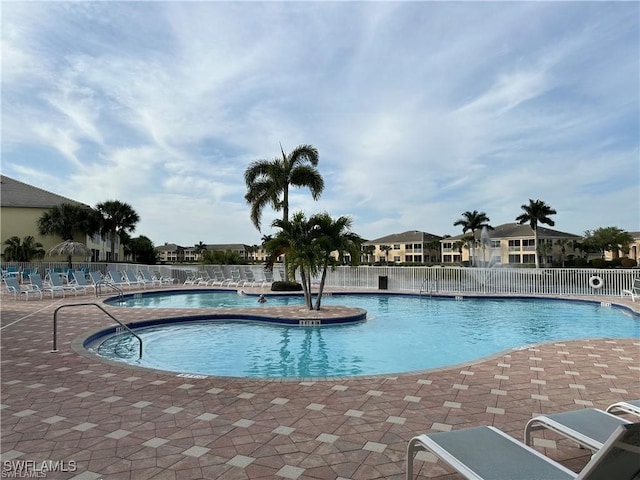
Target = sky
(420,111)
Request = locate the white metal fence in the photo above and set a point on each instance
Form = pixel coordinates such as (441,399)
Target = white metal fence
(445,280)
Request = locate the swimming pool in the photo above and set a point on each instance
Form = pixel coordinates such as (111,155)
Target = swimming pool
(402,333)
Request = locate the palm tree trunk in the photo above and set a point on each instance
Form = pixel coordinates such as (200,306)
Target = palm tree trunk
(535,246)
(321,287)
(306,287)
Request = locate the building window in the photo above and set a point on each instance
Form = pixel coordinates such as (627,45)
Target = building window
(408,246)
(446,258)
(417,258)
(417,247)
(514,246)
(396,259)
(495,244)
(396,246)
(529,258)
(408,258)
(528,245)
(514,259)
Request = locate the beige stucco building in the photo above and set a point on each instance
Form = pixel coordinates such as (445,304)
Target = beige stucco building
(412,246)
(21,205)
(509,244)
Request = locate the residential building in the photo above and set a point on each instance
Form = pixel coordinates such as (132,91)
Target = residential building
(170,253)
(412,246)
(21,205)
(508,244)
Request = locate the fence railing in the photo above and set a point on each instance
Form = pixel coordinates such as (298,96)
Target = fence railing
(454,280)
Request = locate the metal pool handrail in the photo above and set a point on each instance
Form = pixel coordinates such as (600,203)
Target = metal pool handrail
(55,324)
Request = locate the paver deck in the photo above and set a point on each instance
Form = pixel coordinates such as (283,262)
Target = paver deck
(100,420)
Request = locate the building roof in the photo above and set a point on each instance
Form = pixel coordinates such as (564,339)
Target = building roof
(17,194)
(515,230)
(227,246)
(169,247)
(413,236)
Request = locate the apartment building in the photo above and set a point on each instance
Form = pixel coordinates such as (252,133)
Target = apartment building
(412,246)
(507,244)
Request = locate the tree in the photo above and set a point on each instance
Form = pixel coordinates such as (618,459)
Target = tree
(564,244)
(430,247)
(333,235)
(295,241)
(222,257)
(386,249)
(534,213)
(608,239)
(268,182)
(117,218)
(143,250)
(369,250)
(67,219)
(199,248)
(470,222)
(23,250)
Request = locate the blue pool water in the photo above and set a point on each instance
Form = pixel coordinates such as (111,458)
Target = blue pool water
(402,333)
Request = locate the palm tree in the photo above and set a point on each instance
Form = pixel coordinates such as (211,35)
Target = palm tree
(534,213)
(386,249)
(470,222)
(67,219)
(295,241)
(23,250)
(565,243)
(333,235)
(117,218)
(369,250)
(199,248)
(268,182)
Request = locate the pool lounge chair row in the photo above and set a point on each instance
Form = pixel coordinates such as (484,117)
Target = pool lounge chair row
(483,453)
(54,284)
(128,278)
(38,287)
(245,278)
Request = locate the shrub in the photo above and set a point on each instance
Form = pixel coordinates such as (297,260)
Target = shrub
(628,263)
(286,287)
(597,263)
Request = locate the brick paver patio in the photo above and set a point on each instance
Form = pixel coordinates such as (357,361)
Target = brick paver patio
(100,420)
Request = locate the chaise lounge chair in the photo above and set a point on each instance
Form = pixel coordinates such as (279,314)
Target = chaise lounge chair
(16,289)
(80,280)
(633,292)
(630,406)
(56,282)
(146,277)
(37,283)
(588,427)
(486,453)
(115,277)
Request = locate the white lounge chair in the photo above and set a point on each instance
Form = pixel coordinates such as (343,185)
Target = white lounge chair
(36,282)
(132,279)
(16,289)
(588,427)
(630,406)
(633,292)
(157,276)
(115,277)
(146,277)
(80,279)
(56,282)
(486,453)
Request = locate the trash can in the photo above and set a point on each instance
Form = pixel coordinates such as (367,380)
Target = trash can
(383,282)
